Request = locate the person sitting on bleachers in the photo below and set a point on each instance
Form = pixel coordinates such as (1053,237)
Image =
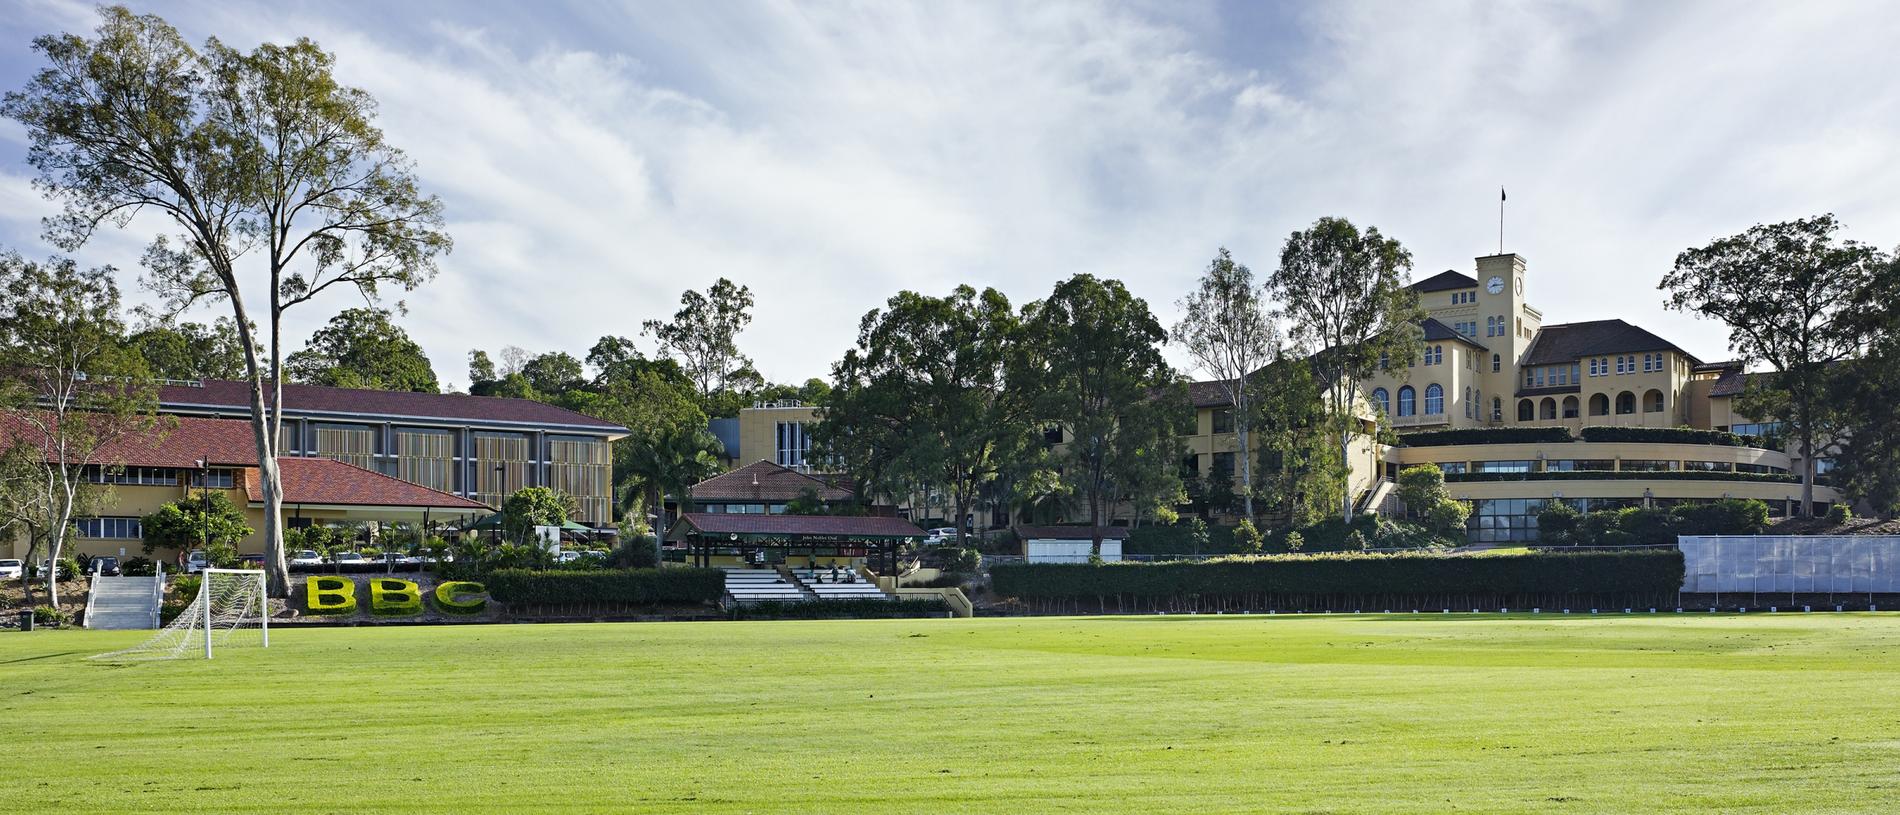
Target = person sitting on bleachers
(834,572)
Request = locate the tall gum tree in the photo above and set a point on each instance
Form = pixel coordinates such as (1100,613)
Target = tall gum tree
(1228,336)
(1090,360)
(1788,294)
(1346,297)
(928,375)
(268,169)
(74,395)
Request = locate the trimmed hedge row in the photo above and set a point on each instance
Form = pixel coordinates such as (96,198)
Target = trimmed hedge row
(1625,475)
(1486,435)
(856,609)
(1674,435)
(1560,434)
(633,587)
(1635,572)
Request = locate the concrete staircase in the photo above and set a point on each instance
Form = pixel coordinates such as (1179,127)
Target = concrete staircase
(121,603)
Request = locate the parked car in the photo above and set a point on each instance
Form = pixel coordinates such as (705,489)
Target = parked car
(391,558)
(104,565)
(251,561)
(348,557)
(46,565)
(306,557)
(12,568)
(934,537)
(196,561)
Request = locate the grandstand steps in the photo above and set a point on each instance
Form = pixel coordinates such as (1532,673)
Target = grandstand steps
(123,603)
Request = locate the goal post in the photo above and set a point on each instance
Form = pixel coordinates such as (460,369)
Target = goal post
(231,609)
(210,610)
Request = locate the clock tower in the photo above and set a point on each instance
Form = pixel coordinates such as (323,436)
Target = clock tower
(1501,296)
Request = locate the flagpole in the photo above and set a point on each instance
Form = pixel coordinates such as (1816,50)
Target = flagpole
(1501,198)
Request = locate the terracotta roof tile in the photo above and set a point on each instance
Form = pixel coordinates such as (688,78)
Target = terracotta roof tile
(329,482)
(230,395)
(764,482)
(714,523)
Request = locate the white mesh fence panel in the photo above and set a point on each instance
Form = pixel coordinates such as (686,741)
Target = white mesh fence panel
(1765,564)
(229,611)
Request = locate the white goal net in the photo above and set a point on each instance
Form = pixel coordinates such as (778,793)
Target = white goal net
(230,610)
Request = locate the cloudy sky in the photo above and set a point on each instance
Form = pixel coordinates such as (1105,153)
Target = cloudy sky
(596,159)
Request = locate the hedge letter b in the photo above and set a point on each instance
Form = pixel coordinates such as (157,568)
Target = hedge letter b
(390,597)
(329,594)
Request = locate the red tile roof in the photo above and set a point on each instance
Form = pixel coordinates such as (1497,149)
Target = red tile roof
(841,526)
(328,482)
(229,395)
(175,442)
(764,482)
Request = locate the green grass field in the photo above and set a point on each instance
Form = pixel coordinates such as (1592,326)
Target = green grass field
(1789,713)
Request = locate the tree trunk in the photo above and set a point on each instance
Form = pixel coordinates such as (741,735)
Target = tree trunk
(1246,458)
(1345,461)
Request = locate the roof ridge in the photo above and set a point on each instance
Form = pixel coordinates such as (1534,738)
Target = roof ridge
(422,487)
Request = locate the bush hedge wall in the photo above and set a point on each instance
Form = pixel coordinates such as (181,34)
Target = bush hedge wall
(630,587)
(1671,435)
(864,609)
(1625,475)
(1258,582)
(1486,435)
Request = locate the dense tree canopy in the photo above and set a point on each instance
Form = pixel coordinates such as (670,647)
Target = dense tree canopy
(363,348)
(1787,292)
(1226,332)
(189,351)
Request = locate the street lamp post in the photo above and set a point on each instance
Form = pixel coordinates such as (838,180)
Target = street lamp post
(204,514)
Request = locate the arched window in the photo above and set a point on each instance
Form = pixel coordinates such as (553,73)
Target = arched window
(1599,404)
(1625,403)
(1497,409)
(1434,400)
(1653,401)
(1382,400)
(1525,410)
(1570,407)
(1547,409)
(1438,355)
(1385,359)
(1497,363)
(1407,401)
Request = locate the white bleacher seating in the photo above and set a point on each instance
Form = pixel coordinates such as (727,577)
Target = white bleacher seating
(819,582)
(761,586)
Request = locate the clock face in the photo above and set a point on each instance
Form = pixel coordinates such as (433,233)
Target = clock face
(1495,285)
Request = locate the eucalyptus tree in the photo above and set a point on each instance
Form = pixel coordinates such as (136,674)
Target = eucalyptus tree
(265,167)
(927,380)
(703,335)
(1788,293)
(74,397)
(1090,361)
(1228,335)
(1345,294)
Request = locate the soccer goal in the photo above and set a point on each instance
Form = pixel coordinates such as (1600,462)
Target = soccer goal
(231,610)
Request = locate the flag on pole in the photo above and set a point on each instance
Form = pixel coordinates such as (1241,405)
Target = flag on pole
(1501,195)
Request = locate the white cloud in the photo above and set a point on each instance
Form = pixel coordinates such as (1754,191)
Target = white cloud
(829,156)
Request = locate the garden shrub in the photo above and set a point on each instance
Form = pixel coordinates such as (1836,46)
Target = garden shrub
(1646,571)
(636,587)
(1247,539)
(1651,526)
(1482,435)
(460,597)
(394,597)
(1557,524)
(1838,514)
(51,615)
(1294,541)
(1728,516)
(1624,475)
(329,594)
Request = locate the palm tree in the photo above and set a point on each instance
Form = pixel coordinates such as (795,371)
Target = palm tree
(670,461)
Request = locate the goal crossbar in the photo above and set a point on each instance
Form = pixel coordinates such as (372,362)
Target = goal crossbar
(263,618)
(229,601)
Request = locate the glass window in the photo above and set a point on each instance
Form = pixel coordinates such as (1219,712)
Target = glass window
(1502,520)
(1569,465)
(109,528)
(1407,399)
(1708,466)
(1382,400)
(1434,400)
(1224,463)
(1525,412)
(1501,466)
(1223,420)
(1450,466)
(1497,363)
(793,444)
(1647,465)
